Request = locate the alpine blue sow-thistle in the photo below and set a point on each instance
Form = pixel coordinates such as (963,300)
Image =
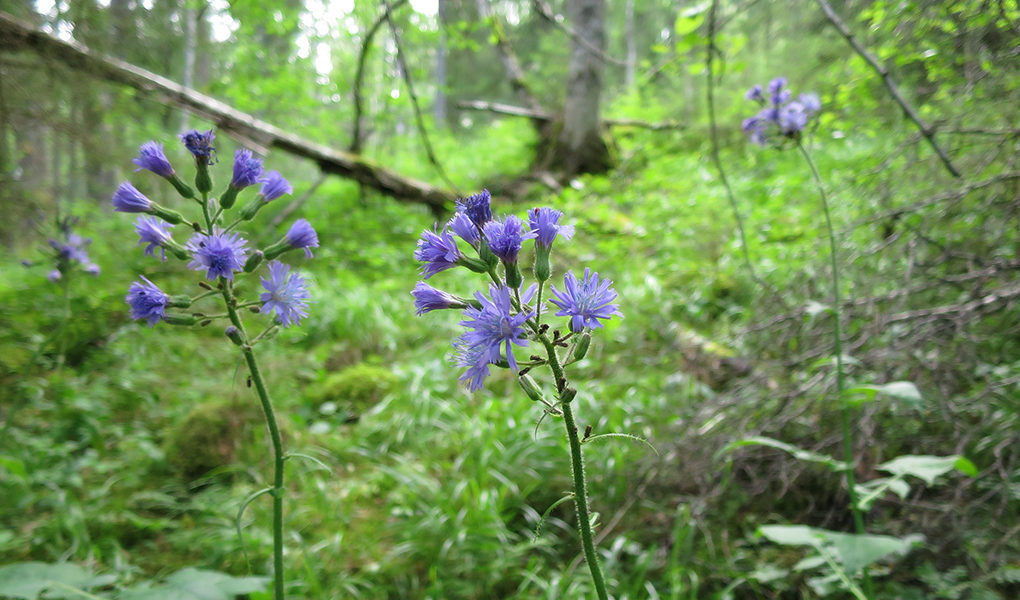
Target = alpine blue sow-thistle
(223,256)
(505,317)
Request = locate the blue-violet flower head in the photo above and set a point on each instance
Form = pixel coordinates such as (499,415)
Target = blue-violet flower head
(437,251)
(463,226)
(92,269)
(776,84)
(585,301)
(154,232)
(129,200)
(492,327)
(545,223)
(505,237)
(428,298)
(478,207)
(54,276)
(147,301)
(200,145)
(151,157)
(247,169)
(286,294)
(755,93)
(302,235)
(274,186)
(476,359)
(219,254)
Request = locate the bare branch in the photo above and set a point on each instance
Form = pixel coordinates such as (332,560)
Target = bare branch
(926,130)
(259,135)
(543,116)
(510,62)
(357,138)
(559,22)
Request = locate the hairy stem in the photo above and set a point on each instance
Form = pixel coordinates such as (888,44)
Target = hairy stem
(577,466)
(277,441)
(848,443)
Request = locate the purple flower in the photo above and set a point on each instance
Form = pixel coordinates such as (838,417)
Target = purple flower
(274,186)
(247,169)
(755,126)
(302,235)
(286,294)
(428,298)
(73,249)
(437,251)
(492,328)
(505,237)
(545,223)
(220,254)
(54,276)
(477,207)
(92,269)
(147,301)
(463,226)
(585,302)
(475,358)
(755,93)
(128,199)
(776,84)
(151,157)
(810,102)
(792,118)
(781,96)
(154,232)
(200,145)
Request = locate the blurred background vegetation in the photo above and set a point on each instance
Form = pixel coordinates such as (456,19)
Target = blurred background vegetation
(131,453)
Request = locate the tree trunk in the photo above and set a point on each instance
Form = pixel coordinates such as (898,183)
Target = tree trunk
(579,147)
(631,61)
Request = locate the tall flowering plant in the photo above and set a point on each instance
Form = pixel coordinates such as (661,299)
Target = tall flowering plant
(224,257)
(508,318)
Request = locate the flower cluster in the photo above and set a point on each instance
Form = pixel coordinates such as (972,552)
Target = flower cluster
(510,314)
(779,112)
(215,248)
(68,251)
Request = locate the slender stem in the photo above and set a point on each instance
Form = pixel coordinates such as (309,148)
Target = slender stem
(538,304)
(848,448)
(277,441)
(66,319)
(577,466)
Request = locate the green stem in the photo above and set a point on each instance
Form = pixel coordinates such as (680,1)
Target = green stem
(62,339)
(577,466)
(848,444)
(277,440)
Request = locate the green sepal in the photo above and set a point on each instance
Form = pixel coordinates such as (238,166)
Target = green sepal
(202,180)
(184,320)
(543,270)
(567,395)
(514,278)
(485,253)
(473,264)
(170,216)
(180,301)
(252,208)
(277,249)
(176,249)
(229,197)
(182,188)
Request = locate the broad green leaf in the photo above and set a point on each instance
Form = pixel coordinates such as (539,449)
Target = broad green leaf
(197,584)
(29,579)
(928,468)
(858,551)
(791,535)
(903,391)
(798,453)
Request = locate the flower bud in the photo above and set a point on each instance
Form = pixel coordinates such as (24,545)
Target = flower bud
(184,320)
(251,209)
(253,261)
(567,395)
(530,388)
(235,335)
(170,216)
(514,279)
(581,349)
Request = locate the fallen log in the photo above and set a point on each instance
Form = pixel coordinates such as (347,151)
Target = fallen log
(543,116)
(16,34)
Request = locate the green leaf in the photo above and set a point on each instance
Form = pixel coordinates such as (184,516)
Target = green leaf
(29,579)
(790,535)
(197,584)
(928,468)
(798,453)
(903,391)
(858,551)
